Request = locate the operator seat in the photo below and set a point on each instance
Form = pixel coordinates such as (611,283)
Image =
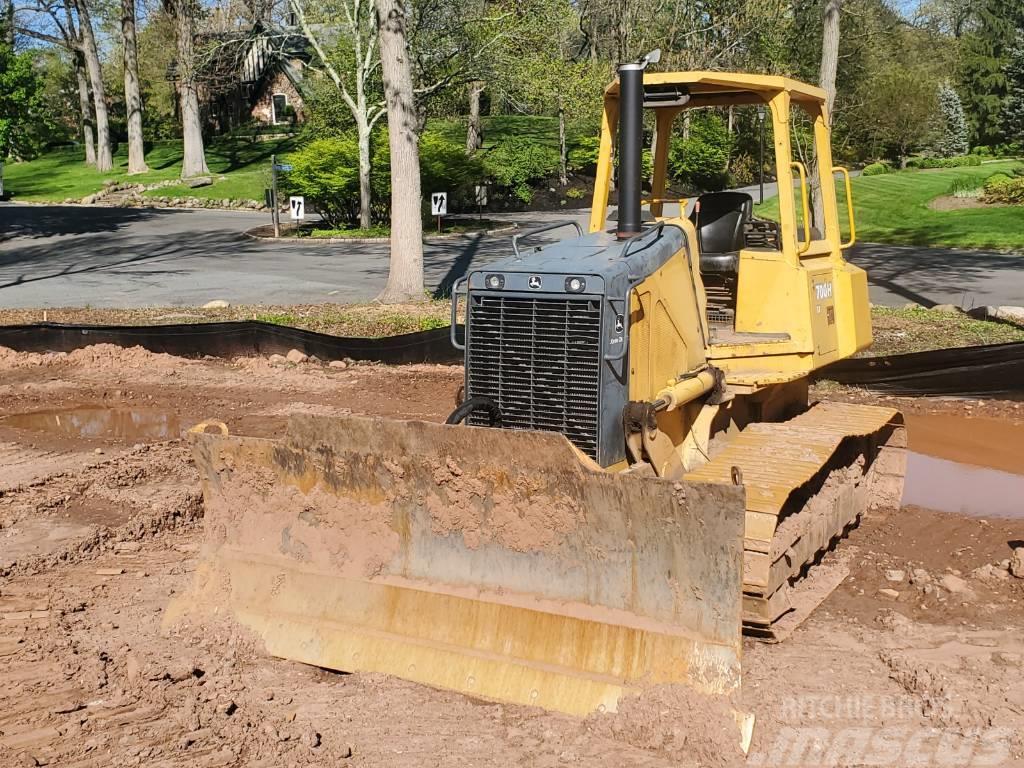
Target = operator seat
(721,219)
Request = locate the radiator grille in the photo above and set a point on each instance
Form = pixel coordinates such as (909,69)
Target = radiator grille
(539,359)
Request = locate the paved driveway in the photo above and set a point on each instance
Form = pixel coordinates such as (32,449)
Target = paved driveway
(54,256)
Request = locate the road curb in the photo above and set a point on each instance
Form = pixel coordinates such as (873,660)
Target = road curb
(252,235)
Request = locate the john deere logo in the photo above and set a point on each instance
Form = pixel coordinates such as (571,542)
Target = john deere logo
(534,282)
(619,324)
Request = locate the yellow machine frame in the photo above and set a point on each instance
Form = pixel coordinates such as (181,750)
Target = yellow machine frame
(797,308)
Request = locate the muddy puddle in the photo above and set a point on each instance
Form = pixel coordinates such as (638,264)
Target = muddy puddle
(969,465)
(96,423)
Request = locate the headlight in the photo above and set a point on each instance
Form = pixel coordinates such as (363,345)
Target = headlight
(575,284)
(495,282)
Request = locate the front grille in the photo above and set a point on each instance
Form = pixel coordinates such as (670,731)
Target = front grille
(539,359)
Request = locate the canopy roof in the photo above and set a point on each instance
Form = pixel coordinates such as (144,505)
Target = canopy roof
(709,89)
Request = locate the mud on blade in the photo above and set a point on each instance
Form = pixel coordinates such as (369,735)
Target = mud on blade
(490,562)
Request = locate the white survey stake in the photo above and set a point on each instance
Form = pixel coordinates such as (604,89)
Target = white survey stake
(297,208)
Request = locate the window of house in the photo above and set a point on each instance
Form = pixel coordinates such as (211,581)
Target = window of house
(280,108)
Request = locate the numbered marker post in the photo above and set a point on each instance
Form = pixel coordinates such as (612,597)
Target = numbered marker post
(439,206)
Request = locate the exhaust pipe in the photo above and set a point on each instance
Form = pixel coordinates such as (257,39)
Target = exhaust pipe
(631,142)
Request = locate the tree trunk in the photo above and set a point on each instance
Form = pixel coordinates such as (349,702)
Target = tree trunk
(405,276)
(132,97)
(104,159)
(88,139)
(474,131)
(827,80)
(193,162)
(563,151)
(365,190)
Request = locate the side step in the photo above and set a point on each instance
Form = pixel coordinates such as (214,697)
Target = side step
(808,482)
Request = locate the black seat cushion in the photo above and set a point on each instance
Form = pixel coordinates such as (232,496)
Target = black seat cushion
(720,219)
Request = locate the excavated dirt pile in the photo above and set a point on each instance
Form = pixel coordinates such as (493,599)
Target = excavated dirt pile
(915,659)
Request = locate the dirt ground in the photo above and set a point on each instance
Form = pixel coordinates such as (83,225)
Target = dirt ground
(100,526)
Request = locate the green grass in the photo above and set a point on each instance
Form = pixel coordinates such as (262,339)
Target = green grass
(893,208)
(540,129)
(915,330)
(239,166)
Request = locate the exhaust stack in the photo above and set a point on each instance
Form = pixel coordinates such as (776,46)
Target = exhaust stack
(631,142)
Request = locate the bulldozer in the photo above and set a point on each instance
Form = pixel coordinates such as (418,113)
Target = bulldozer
(635,476)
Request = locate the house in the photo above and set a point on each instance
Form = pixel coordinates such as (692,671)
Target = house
(251,76)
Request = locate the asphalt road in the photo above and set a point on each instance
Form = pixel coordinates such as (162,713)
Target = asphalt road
(52,256)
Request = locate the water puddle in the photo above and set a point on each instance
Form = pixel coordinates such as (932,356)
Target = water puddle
(948,486)
(129,424)
(969,465)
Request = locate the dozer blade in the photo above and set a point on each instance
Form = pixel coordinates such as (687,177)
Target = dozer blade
(486,561)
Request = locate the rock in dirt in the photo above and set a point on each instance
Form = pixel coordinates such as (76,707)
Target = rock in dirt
(951,309)
(294,356)
(341,365)
(895,576)
(920,576)
(198,181)
(216,304)
(889,594)
(990,573)
(277,360)
(1007,658)
(955,585)
(1017,563)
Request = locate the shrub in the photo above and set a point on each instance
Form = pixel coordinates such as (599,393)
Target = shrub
(1009,192)
(875,169)
(943,162)
(326,172)
(744,170)
(583,157)
(702,159)
(964,186)
(445,167)
(516,162)
(997,178)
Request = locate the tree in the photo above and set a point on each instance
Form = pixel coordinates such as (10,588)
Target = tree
(405,274)
(184,13)
(21,104)
(953,130)
(827,80)
(985,53)
(90,51)
(1013,107)
(354,69)
(900,105)
(132,94)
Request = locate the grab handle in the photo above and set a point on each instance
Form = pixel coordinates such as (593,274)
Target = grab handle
(806,206)
(849,206)
(456,290)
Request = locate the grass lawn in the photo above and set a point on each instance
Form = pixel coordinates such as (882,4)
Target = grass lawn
(893,208)
(240,168)
(539,129)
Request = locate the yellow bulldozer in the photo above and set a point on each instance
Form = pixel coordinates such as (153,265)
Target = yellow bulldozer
(635,475)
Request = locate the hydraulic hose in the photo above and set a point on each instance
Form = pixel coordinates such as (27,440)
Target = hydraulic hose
(478,403)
